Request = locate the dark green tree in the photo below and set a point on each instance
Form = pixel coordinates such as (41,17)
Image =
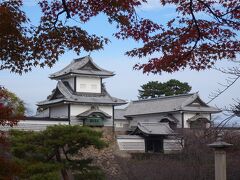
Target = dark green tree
(155,89)
(11,111)
(175,87)
(151,90)
(52,153)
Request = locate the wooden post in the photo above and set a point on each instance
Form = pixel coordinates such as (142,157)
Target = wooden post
(220,157)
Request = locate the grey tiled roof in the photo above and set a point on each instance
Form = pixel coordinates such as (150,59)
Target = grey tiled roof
(201,109)
(129,137)
(70,96)
(119,114)
(77,67)
(155,128)
(168,104)
(170,118)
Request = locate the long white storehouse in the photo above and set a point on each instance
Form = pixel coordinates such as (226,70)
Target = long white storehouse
(152,123)
(80,95)
(180,111)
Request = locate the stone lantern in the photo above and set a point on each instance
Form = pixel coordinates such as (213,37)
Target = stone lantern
(220,157)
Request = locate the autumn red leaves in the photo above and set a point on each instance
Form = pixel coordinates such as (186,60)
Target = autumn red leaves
(11,108)
(199,35)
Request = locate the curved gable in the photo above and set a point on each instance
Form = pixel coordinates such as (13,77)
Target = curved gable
(197,102)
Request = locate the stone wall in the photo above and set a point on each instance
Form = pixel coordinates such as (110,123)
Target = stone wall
(106,158)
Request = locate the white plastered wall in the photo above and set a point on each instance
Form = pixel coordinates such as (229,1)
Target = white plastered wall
(131,144)
(109,111)
(59,111)
(120,123)
(76,109)
(44,113)
(88,84)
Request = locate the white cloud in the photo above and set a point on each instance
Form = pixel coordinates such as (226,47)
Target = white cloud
(151,5)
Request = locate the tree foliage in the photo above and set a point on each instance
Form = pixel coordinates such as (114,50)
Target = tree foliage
(155,89)
(9,168)
(23,45)
(11,111)
(202,33)
(11,108)
(52,153)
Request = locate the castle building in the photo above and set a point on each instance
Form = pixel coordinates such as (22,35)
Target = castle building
(80,95)
(180,111)
(148,125)
(152,123)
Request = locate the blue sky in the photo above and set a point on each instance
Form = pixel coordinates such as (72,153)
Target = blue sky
(36,86)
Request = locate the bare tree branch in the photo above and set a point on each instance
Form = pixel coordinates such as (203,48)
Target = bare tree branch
(229,82)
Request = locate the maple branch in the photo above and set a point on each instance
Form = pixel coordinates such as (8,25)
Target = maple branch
(211,11)
(219,17)
(236,8)
(65,9)
(56,20)
(196,25)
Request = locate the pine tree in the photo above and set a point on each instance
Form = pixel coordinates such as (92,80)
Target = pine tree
(51,154)
(155,89)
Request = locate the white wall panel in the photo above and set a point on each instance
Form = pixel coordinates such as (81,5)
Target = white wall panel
(131,144)
(88,84)
(107,109)
(44,113)
(59,111)
(78,109)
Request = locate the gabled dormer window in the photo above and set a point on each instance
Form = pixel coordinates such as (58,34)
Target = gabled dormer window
(197,102)
(89,66)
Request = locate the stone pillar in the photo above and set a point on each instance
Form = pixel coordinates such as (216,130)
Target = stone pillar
(220,157)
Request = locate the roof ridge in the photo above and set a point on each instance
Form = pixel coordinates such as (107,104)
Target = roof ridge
(164,97)
(64,90)
(121,109)
(79,59)
(149,123)
(76,67)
